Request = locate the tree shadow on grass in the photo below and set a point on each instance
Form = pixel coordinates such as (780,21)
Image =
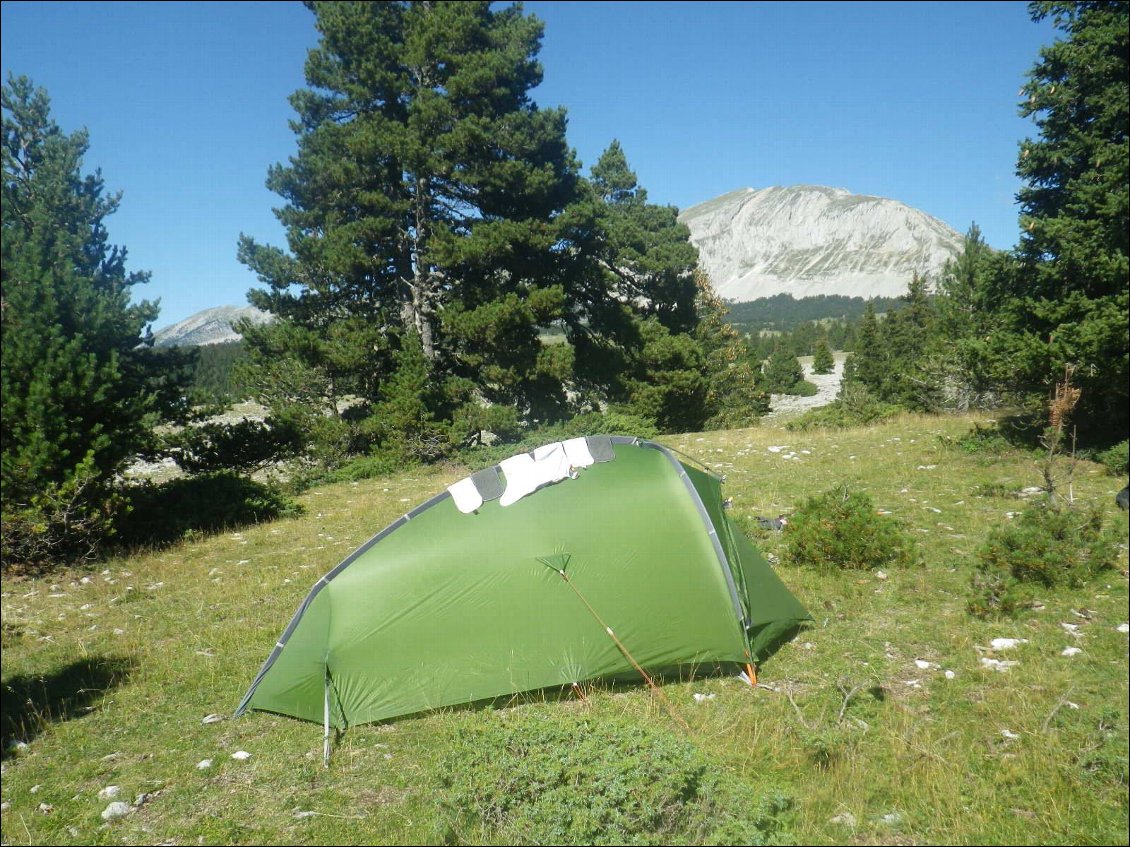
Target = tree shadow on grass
(186,507)
(32,702)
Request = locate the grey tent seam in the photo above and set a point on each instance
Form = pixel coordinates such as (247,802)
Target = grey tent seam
(712,532)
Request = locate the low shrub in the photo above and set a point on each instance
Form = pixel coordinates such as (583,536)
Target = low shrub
(538,778)
(841,529)
(980,439)
(855,406)
(1116,459)
(1047,546)
(64,524)
(804,388)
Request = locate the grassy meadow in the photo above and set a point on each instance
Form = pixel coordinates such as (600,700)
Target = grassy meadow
(879,722)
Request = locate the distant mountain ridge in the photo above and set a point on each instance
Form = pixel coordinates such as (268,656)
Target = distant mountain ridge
(212,326)
(808,240)
(803,240)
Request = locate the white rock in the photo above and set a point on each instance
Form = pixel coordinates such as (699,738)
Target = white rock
(1071,651)
(880,575)
(924,665)
(117,809)
(46,808)
(301,815)
(702,698)
(1007,643)
(213,718)
(203,764)
(950,675)
(1123,627)
(844,819)
(997,664)
(109,792)
(241,755)
(1009,734)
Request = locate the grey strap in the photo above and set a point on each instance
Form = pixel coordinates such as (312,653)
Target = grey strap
(488,483)
(600,446)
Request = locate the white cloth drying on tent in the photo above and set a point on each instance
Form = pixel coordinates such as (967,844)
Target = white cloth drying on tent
(577,451)
(526,473)
(465,495)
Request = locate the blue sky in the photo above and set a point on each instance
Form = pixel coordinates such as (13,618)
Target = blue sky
(186,106)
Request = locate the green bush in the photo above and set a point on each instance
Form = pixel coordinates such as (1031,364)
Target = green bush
(855,406)
(64,523)
(1116,460)
(366,467)
(610,423)
(246,445)
(841,529)
(556,778)
(1048,546)
(980,439)
(170,511)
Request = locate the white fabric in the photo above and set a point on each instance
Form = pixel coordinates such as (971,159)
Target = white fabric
(521,478)
(552,463)
(577,449)
(526,473)
(465,495)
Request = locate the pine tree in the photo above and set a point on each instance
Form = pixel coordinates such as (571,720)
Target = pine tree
(966,320)
(76,385)
(822,360)
(783,372)
(646,249)
(1067,302)
(429,204)
(735,396)
(655,364)
(905,340)
(868,365)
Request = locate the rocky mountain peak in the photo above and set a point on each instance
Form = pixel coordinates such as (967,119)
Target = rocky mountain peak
(808,240)
(212,326)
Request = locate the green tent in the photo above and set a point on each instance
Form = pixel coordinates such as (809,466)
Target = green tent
(584,559)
